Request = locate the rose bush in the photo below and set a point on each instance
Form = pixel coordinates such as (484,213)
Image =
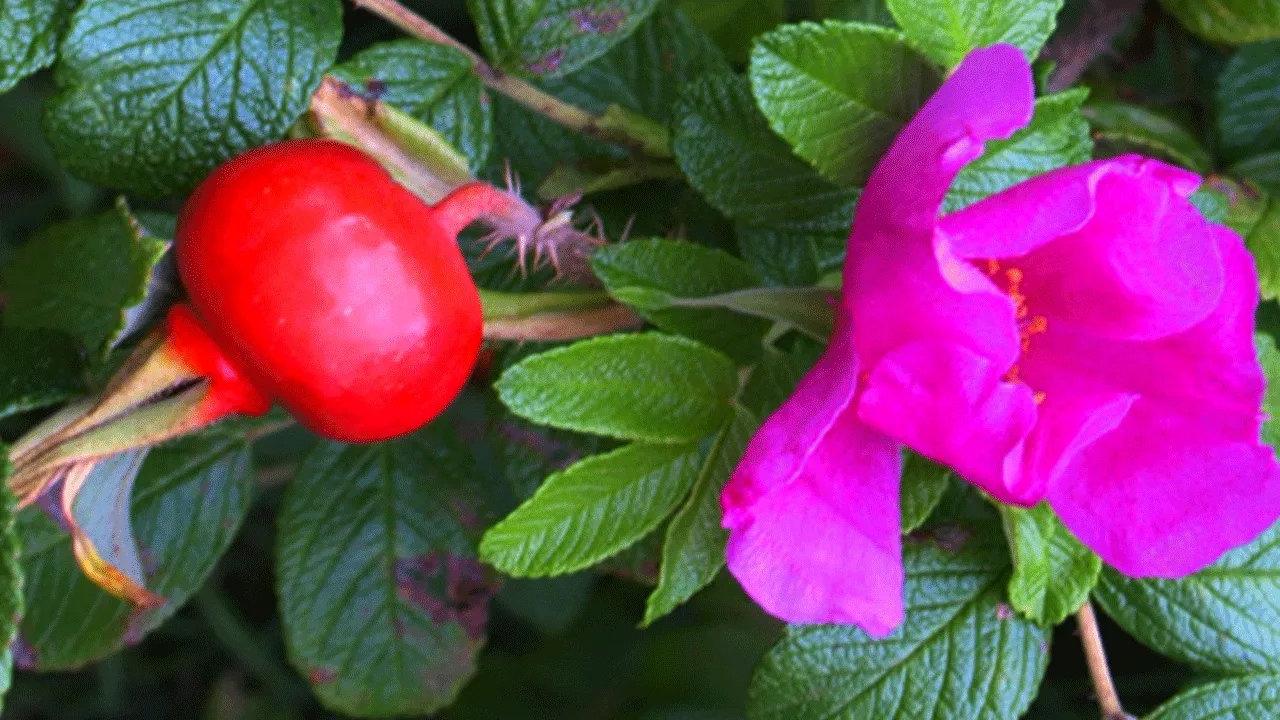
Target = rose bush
(398,359)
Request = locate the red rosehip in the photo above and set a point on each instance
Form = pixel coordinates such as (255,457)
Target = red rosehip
(329,288)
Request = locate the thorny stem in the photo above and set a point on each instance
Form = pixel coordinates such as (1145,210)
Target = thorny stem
(1096,657)
(341,112)
(543,103)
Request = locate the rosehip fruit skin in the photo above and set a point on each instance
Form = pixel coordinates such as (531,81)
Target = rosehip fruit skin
(336,291)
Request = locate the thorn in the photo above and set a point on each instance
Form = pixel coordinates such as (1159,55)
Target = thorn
(626,229)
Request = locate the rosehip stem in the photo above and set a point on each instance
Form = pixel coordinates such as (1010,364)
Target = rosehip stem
(553,316)
(505,305)
(418,158)
(619,126)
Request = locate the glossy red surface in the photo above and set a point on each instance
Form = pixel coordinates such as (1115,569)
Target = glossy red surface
(335,290)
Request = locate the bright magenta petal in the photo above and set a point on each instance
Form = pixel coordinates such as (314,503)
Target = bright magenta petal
(1074,412)
(1111,247)
(827,546)
(894,284)
(949,404)
(812,508)
(1183,478)
(1166,494)
(778,452)
(1211,368)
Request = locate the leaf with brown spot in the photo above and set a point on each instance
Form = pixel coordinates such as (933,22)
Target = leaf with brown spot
(377,576)
(554,37)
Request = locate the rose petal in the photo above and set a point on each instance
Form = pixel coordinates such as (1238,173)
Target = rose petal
(826,547)
(1166,494)
(949,404)
(1111,247)
(777,453)
(1212,367)
(893,281)
(1183,478)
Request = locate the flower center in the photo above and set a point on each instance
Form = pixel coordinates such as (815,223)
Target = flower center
(1010,281)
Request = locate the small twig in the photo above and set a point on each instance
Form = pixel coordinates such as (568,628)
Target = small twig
(543,103)
(1096,656)
(1091,38)
(559,326)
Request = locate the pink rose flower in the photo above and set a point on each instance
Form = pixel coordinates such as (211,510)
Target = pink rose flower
(1085,338)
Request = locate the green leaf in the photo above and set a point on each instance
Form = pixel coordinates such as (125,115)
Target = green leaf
(29,31)
(1223,618)
(383,603)
(875,12)
(924,482)
(839,92)
(434,84)
(960,654)
(650,387)
(187,503)
(79,277)
(1053,573)
(1228,21)
(644,73)
(1269,358)
(733,23)
(684,270)
(155,94)
(592,510)
(771,382)
(11,580)
(805,309)
(1213,206)
(694,549)
(554,37)
(1248,101)
(725,147)
(1245,202)
(1149,132)
(946,30)
(1057,136)
(1246,697)
(1263,241)
(1262,169)
(37,368)
(780,257)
